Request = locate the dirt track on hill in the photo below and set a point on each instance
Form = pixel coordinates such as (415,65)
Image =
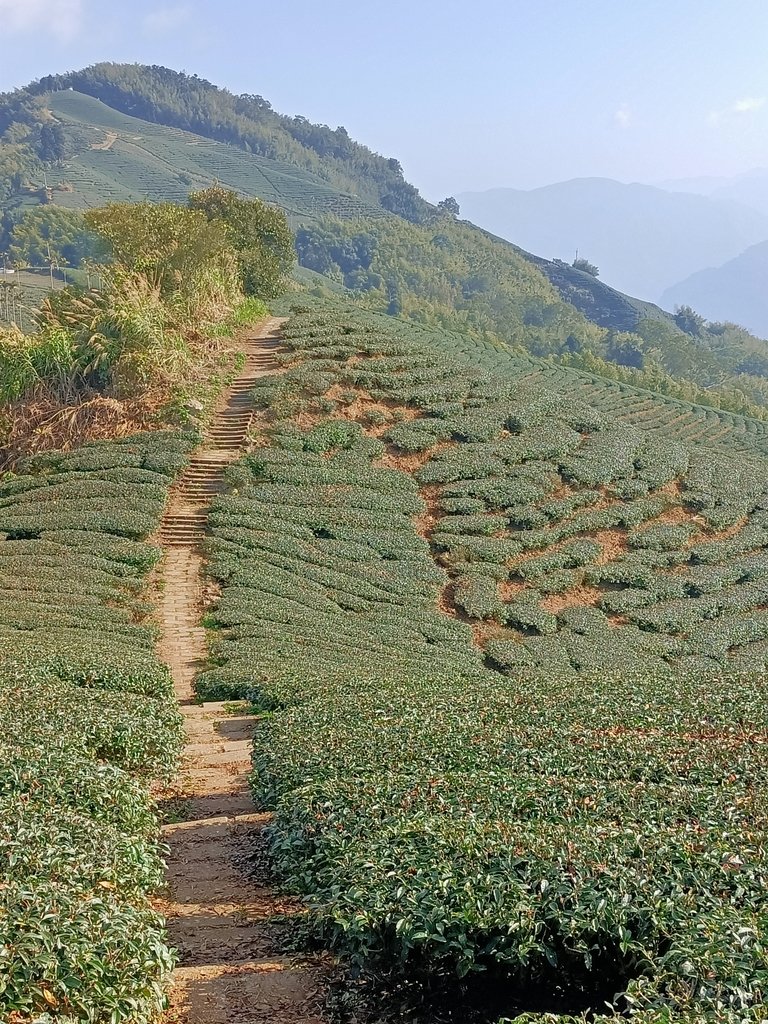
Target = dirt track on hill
(220,908)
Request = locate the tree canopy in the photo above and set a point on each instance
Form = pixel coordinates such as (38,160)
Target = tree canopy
(50,233)
(170,245)
(688,320)
(585,266)
(258,233)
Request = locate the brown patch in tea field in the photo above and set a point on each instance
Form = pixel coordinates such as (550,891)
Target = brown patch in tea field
(613,542)
(487,630)
(424,523)
(510,589)
(576,597)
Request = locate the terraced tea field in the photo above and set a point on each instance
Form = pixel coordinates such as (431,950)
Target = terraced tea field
(87,720)
(505,655)
(546,774)
(125,159)
(652,411)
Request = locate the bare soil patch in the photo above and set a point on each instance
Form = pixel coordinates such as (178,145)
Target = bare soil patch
(584,597)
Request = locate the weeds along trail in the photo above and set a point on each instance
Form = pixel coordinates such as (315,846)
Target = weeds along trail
(220,916)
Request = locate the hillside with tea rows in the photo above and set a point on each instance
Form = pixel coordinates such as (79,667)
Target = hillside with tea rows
(88,719)
(508,650)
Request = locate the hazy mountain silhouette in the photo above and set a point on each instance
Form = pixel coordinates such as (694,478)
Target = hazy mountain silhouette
(735,291)
(749,189)
(641,237)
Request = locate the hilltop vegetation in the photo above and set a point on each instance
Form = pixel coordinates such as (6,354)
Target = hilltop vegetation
(159,95)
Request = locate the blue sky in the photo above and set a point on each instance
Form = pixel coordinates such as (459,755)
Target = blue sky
(467,95)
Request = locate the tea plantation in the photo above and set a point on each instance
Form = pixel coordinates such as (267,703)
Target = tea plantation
(120,158)
(511,652)
(87,721)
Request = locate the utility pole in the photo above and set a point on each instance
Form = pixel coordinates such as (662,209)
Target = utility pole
(50,264)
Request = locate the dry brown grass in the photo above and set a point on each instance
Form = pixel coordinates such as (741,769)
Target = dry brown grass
(406,462)
(425,522)
(43,420)
(40,423)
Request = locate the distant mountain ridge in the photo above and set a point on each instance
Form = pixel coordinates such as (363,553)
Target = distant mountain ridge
(642,238)
(736,291)
(749,189)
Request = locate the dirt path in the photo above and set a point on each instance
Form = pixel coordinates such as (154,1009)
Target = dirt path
(106,143)
(221,917)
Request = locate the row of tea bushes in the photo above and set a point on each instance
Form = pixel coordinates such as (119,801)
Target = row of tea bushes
(605,841)
(87,721)
(544,502)
(451,821)
(321,566)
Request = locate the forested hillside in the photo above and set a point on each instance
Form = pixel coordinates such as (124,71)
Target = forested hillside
(166,97)
(447,272)
(155,134)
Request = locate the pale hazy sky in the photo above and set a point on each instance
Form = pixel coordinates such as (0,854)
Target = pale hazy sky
(467,95)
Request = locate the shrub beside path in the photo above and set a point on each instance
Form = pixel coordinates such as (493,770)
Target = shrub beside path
(221,912)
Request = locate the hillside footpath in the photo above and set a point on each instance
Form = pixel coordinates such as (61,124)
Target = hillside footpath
(222,914)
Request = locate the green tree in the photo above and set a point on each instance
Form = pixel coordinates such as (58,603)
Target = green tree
(688,320)
(622,348)
(259,234)
(171,246)
(585,266)
(18,163)
(52,144)
(449,206)
(50,232)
